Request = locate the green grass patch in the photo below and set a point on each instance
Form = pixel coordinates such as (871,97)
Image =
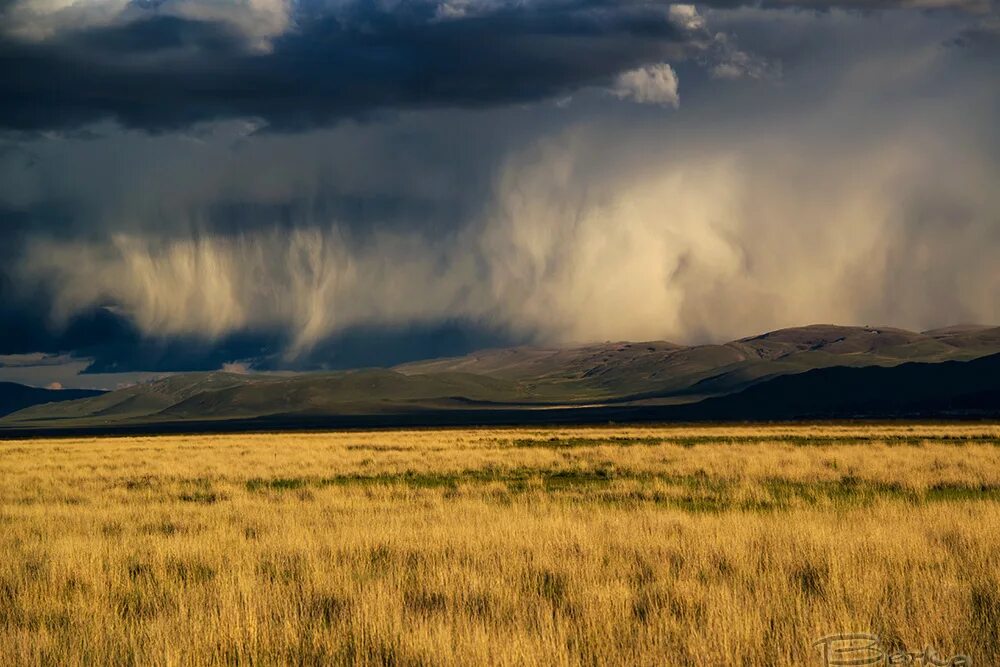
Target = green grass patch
(258,484)
(693,493)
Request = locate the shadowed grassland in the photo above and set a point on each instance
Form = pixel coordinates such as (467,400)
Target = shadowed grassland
(694,546)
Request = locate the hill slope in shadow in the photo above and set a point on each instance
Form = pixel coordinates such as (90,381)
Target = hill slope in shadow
(931,390)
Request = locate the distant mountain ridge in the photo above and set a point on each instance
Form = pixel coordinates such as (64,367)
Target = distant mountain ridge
(660,369)
(782,374)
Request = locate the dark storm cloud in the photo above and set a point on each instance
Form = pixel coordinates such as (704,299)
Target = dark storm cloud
(161,72)
(150,69)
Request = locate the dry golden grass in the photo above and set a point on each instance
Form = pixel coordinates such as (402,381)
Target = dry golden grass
(612,546)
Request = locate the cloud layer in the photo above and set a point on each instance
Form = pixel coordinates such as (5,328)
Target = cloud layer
(681,248)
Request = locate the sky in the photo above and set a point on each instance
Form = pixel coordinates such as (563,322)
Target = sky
(319,184)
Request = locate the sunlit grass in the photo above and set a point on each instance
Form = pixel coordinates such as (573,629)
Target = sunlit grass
(694,546)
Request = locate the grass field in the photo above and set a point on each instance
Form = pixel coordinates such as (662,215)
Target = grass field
(610,546)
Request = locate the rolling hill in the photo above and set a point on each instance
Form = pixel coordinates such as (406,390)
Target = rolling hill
(14,397)
(791,373)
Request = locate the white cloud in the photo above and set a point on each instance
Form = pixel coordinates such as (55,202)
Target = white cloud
(236,367)
(653,84)
(731,62)
(259,21)
(452,9)
(686,17)
(41,19)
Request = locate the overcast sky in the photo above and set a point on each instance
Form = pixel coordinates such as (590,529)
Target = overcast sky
(301,184)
